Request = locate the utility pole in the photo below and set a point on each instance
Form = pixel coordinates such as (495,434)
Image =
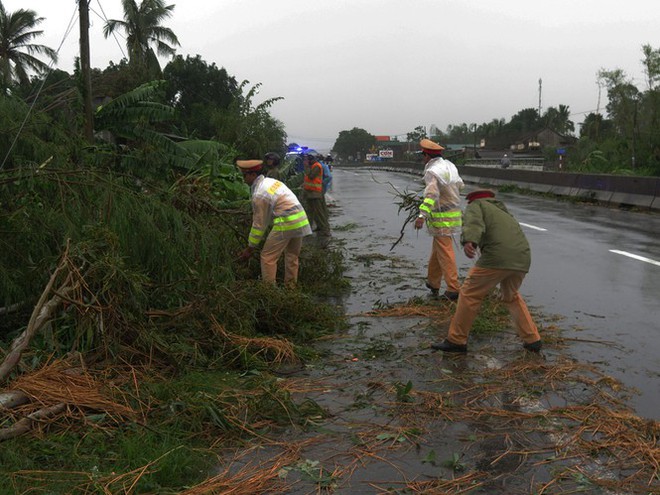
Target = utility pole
(540,84)
(85,70)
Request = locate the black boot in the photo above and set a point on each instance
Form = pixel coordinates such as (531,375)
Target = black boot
(434,291)
(533,346)
(449,296)
(448,346)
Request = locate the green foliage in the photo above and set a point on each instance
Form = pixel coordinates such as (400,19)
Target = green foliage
(525,120)
(185,415)
(455,463)
(198,90)
(17,55)
(249,128)
(353,142)
(403,392)
(138,249)
(142,26)
(35,139)
(417,134)
(492,317)
(116,79)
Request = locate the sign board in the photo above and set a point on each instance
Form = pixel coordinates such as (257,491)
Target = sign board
(561,151)
(372,157)
(386,153)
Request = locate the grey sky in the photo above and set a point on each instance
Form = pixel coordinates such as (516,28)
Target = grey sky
(390,65)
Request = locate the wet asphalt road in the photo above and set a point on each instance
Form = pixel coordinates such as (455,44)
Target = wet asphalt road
(582,270)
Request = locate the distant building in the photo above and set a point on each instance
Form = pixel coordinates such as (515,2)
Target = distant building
(545,138)
(389,148)
(531,142)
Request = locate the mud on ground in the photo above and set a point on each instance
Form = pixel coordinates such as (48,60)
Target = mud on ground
(402,419)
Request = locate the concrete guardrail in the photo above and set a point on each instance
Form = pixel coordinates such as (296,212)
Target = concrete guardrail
(616,190)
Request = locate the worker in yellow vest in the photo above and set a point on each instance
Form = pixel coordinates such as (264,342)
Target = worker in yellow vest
(442,215)
(274,203)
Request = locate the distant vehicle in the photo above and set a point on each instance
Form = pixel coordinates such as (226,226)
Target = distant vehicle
(295,153)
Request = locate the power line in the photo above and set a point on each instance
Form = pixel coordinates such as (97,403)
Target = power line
(105,18)
(67,32)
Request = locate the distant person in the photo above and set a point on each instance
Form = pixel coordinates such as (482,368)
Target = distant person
(505,260)
(442,215)
(505,162)
(313,197)
(327,174)
(476,154)
(274,203)
(271,164)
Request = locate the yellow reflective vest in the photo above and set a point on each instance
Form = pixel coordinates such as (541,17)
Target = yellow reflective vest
(441,204)
(273,202)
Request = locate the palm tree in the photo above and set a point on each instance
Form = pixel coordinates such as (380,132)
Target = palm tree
(142,27)
(16,51)
(558,119)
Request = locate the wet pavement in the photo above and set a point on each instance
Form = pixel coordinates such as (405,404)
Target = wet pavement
(402,419)
(609,303)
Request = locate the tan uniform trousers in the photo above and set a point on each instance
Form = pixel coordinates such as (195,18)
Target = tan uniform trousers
(476,287)
(442,263)
(270,254)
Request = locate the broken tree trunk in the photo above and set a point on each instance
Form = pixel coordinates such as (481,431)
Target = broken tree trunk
(25,424)
(13,398)
(42,313)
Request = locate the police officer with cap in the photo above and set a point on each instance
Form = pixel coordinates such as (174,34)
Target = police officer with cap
(442,215)
(274,203)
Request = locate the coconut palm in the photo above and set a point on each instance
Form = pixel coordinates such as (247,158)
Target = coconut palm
(142,27)
(16,50)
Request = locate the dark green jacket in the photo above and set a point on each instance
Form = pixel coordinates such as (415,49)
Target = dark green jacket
(273,173)
(503,245)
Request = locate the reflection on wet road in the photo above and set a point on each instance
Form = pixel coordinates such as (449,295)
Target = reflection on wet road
(598,268)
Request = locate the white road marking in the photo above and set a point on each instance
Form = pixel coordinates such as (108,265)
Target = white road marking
(533,227)
(635,257)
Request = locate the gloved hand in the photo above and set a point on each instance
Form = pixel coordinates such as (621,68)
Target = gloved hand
(246,254)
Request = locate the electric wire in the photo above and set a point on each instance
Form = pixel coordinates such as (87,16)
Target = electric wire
(67,32)
(104,17)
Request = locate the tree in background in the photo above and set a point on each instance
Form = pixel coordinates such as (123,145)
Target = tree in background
(525,120)
(248,127)
(143,29)
(595,127)
(558,119)
(417,134)
(16,48)
(115,79)
(353,143)
(197,90)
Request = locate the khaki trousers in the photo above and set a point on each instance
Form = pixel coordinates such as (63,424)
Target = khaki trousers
(442,263)
(270,254)
(476,287)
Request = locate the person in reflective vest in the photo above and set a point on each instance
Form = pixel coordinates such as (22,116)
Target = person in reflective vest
(274,203)
(314,198)
(442,215)
(505,260)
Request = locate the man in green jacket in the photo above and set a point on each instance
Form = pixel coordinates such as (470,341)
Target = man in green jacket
(505,259)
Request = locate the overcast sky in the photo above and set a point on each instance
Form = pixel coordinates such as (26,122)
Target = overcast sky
(388,66)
